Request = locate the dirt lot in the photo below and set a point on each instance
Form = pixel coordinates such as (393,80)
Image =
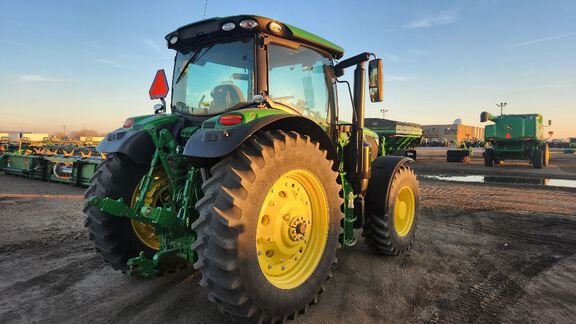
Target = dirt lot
(484,253)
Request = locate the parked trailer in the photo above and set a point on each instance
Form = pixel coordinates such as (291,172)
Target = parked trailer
(396,138)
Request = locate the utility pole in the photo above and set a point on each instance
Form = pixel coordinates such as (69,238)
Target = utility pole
(383,111)
(502,105)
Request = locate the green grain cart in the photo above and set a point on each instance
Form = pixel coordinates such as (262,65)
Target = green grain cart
(515,137)
(396,138)
(251,177)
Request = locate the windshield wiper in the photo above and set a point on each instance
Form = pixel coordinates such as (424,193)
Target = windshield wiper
(193,59)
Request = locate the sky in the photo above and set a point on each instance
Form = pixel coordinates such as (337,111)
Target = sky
(89,64)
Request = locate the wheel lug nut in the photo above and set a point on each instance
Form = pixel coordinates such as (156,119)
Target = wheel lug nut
(283,268)
(269,266)
(259,252)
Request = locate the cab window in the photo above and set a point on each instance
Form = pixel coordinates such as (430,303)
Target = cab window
(296,78)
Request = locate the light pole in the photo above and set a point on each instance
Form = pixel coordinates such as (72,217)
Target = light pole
(383,111)
(502,105)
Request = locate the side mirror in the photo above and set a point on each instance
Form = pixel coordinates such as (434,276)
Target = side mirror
(159,88)
(375,84)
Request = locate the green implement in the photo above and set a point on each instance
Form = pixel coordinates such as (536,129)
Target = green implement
(515,137)
(396,138)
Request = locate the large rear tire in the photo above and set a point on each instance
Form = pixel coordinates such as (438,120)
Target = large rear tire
(268,227)
(489,158)
(114,237)
(392,232)
(538,159)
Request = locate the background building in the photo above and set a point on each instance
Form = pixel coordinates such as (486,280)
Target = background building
(452,133)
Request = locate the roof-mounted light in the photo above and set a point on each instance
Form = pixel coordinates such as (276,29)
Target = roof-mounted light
(248,24)
(228,26)
(173,40)
(275,27)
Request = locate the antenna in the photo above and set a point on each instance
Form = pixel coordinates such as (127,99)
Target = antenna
(205,6)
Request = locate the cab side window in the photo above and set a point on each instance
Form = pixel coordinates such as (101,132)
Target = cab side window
(296,78)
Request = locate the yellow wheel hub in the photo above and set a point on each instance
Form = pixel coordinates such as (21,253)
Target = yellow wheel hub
(156,195)
(404,211)
(292,229)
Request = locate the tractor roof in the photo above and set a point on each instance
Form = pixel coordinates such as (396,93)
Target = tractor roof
(194,33)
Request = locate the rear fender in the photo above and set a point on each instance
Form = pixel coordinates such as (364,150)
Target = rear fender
(210,144)
(134,142)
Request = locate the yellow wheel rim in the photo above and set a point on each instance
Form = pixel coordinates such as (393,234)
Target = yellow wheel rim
(292,229)
(156,194)
(404,211)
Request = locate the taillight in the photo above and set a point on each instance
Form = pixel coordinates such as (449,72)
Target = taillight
(128,123)
(231,119)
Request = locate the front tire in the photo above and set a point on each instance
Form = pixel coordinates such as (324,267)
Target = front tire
(392,231)
(546,154)
(268,227)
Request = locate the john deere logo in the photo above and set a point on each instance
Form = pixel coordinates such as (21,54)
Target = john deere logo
(508,127)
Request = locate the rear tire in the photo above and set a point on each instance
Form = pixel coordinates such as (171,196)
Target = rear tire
(538,159)
(235,208)
(392,232)
(114,237)
(489,158)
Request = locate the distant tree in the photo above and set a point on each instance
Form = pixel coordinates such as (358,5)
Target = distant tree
(85,132)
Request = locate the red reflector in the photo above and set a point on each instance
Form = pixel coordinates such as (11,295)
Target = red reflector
(128,123)
(508,135)
(228,120)
(159,88)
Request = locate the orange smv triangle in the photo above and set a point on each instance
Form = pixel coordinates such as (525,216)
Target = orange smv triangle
(159,88)
(508,135)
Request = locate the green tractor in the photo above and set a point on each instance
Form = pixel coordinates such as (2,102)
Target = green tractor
(515,137)
(251,178)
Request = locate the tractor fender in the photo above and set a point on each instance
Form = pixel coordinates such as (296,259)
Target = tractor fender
(383,170)
(209,144)
(136,144)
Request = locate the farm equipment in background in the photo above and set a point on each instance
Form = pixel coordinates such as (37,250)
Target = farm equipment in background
(572,146)
(396,138)
(515,137)
(463,154)
(251,177)
(50,161)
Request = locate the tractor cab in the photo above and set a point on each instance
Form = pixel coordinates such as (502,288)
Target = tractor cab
(224,64)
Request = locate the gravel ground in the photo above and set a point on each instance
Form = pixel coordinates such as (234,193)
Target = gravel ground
(484,253)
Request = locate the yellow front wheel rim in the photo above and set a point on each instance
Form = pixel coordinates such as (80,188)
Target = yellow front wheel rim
(404,208)
(157,193)
(292,229)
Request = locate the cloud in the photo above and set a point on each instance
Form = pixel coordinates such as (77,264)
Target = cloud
(390,57)
(397,78)
(153,45)
(112,63)
(443,18)
(540,40)
(417,52)
(36,78)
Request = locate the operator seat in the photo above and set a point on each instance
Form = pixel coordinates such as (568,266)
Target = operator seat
(226,96)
